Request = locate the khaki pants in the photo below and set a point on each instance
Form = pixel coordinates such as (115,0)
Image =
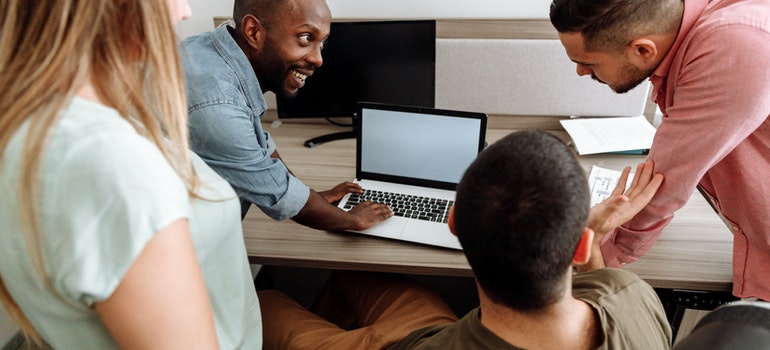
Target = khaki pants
(355,310)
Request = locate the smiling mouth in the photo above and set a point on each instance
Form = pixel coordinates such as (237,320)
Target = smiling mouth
(299,76)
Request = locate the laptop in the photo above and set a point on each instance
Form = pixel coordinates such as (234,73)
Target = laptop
(412,158)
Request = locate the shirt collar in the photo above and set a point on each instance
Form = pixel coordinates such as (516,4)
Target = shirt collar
(692,11)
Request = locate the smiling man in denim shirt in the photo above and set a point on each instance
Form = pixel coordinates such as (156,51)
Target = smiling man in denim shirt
(274,46)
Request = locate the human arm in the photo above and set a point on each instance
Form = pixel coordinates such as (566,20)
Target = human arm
(332,195)
(276,155)
(622,204)
(114,193)
(232,143)
(320,214)
(715,115)
(319,211)
(161,302)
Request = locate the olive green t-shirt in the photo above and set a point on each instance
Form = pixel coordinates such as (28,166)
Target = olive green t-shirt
(629,311)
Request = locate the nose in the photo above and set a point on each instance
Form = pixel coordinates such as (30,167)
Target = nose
(179,10)
(582,70)
(187,13)
(314,57)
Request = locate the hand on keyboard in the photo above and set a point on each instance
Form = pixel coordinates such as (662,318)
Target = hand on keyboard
(335,194)
(416,207)
(370,213)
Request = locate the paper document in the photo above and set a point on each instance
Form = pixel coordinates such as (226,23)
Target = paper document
(602,181)
(602,135)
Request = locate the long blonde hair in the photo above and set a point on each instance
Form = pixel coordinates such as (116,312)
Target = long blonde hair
(126,49)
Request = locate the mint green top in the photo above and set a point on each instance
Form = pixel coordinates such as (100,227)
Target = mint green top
(104,192)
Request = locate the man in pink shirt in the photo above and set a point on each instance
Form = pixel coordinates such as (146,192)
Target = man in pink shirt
(709,64)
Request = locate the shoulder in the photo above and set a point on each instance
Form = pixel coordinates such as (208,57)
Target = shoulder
(203,45)
(105,190)
(432,337)
(732,23)
(746,12)
(217,70)
(96,162)
(610,286)
(94,140)
(219,76)
(628,309)
(95,150)
(606,281)
(466,333)
(200,52)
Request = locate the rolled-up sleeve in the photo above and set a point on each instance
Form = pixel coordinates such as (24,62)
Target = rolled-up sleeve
(231,141)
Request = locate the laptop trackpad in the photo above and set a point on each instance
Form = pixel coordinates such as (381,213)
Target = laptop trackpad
(392,228)
(431,233)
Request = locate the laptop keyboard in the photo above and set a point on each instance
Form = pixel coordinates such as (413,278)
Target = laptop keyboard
(408,206)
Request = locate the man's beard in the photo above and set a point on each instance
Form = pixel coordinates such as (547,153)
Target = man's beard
(632,77)
(274,72)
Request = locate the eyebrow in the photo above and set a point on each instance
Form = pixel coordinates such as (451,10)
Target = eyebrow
(308,26)
(578,62)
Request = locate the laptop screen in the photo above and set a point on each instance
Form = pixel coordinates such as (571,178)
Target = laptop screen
(417,146)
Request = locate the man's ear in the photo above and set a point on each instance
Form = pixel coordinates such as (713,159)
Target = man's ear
(253,31)
(643,52)
(451,220)
(583,250)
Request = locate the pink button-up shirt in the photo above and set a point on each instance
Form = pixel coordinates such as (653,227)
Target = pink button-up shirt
(713,88)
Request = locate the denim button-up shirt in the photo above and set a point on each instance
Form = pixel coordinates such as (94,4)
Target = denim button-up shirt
(225,105)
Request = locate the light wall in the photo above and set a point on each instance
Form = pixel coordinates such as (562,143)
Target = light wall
(204,10)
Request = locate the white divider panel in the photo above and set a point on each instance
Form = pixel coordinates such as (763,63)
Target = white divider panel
(523,77)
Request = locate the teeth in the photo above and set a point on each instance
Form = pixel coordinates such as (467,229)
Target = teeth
(299,75)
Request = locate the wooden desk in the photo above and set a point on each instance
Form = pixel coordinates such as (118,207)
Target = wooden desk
(694,252)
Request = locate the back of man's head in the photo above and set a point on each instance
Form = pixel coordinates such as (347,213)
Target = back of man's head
(520,210)
(609,25)
(263,10)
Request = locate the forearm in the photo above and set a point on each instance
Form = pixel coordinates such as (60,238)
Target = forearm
(624,246)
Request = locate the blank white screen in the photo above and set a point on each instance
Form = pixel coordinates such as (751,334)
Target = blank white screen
(422,146)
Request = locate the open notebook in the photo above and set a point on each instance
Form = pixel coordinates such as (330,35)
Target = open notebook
(412,158)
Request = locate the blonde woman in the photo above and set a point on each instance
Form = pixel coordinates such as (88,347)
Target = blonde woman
(112,235)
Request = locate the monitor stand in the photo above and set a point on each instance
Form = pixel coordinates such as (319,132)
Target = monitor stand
(329,137)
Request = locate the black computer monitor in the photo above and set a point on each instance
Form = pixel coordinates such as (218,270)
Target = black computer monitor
(372,61)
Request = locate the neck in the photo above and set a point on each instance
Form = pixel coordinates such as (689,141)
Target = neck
(665,41)
(566,324)
(239,39)
(249,51)
(88,92)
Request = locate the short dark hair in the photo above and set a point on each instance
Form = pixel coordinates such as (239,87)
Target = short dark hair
(610,25)
(263,10)
(520,210)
